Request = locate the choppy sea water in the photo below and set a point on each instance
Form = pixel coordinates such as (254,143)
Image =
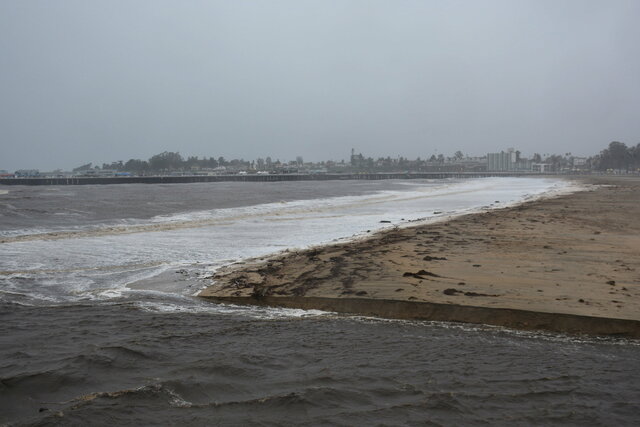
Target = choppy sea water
(91,334)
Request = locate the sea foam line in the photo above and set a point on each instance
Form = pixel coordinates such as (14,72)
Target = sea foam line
(214,217)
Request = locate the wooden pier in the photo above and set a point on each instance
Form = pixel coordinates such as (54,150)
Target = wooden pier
(185,179)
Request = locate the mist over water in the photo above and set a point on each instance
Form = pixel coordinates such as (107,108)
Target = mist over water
(99,324)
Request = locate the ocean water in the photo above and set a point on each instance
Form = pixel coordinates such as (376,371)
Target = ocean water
(99,322)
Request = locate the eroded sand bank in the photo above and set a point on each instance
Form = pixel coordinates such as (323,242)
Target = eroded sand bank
(547,264)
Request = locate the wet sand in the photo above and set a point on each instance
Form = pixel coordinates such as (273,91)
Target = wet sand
(569,264)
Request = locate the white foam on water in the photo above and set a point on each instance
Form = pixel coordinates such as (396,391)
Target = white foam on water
(376,203)
(100,266)
(498,331)
(203,307)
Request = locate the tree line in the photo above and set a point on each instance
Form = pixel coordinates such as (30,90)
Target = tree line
(166,161)
(618,157)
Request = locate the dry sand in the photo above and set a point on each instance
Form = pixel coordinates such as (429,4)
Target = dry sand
(576,254)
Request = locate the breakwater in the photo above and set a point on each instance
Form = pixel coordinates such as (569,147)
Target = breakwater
(184,179)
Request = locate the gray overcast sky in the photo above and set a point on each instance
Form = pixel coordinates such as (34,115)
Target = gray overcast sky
(99,81)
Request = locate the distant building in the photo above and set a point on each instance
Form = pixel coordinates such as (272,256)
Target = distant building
(27,173)
(101,173)
(508,162)
(502,162)
(540,167)
(579,162)
(55,174)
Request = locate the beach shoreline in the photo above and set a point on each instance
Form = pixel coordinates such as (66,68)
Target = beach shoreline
(567,263)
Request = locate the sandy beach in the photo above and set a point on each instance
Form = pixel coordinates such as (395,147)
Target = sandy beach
(569,263)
